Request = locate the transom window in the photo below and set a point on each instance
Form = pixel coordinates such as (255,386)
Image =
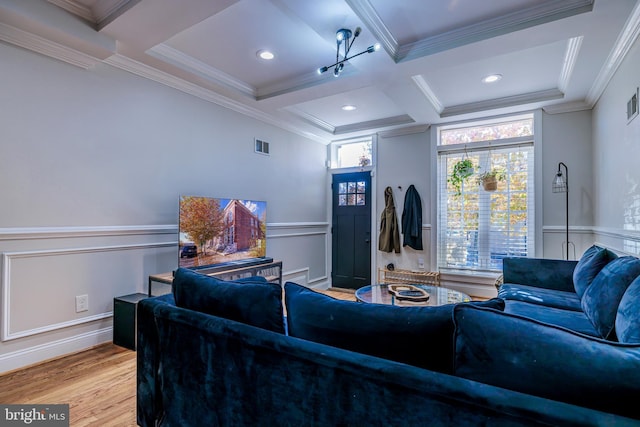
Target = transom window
(352,154)
(479,223)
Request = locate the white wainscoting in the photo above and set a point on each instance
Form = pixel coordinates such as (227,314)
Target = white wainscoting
(304,248)
(44,268)
(31,271)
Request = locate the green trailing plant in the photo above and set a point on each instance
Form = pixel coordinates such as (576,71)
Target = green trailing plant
(461,171)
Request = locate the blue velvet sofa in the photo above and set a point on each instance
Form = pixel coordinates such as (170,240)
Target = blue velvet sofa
(590,296)
(222,354)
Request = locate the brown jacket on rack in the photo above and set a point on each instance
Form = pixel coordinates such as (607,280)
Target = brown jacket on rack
(389,240)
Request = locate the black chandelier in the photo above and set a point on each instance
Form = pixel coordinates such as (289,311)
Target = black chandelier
(343,37)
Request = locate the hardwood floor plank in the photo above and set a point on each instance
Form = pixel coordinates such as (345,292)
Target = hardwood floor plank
(99,385)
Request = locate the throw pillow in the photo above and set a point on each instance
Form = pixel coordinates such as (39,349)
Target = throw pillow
(592,261)
(532,357)
(600,301)
(257,303)
(628,317)
(419,336)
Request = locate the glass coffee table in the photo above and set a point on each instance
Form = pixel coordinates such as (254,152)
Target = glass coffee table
(379,294)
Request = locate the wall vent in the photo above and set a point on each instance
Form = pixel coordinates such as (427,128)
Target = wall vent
(632,107)
(262,147)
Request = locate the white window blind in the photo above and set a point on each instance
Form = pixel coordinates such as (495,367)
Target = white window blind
(478,228)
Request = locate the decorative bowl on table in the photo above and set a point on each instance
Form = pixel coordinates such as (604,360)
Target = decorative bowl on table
(408,293)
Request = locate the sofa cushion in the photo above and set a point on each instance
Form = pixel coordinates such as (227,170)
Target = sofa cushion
(541,296)
(524,355)
(251,301)
(592,261)
(628,317)
(539,272)
(570,319)
(600,301)
(419,336)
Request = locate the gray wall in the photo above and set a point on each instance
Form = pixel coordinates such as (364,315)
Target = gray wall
(92,163)
(402,161)
(616,148)
(567,138)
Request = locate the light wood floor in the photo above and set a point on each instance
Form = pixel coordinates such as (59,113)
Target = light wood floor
(99,384)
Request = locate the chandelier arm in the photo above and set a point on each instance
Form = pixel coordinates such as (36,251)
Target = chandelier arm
(342,61)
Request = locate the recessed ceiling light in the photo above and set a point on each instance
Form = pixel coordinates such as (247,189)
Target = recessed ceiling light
(492,78)
(349,107)
(265,54)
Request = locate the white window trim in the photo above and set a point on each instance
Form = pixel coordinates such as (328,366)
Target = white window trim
(332,154)
(538,178)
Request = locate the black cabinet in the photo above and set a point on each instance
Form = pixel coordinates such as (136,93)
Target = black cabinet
(124,320)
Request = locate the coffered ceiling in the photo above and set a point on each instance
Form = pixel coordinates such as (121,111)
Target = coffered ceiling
(551,54)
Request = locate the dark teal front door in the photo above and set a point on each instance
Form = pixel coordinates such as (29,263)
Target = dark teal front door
(351,230)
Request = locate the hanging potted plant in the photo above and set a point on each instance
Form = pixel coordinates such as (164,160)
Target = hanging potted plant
(489,180)
(461,171)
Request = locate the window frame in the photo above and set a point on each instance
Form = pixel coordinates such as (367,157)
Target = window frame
(436,149)
(333,153)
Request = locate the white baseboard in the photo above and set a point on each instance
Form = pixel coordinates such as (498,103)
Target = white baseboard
(37,354)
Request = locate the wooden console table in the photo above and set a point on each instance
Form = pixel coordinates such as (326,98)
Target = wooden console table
(408,276)
(272,271)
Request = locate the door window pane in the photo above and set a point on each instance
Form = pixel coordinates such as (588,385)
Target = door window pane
(352,193)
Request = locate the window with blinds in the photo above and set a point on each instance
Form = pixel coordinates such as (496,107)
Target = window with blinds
(477,228)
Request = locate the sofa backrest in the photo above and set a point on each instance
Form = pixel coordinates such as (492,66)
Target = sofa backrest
(540,272)
(525,355)
(216,371)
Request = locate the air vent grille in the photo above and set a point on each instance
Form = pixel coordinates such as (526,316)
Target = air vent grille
(262,147)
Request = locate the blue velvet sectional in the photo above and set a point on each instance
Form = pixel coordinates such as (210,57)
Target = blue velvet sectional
(220,353)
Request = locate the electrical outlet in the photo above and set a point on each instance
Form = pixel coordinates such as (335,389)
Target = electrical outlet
(421,263)
(82,303)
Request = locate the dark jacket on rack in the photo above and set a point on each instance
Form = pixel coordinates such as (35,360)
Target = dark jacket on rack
(389,240)
(412,219)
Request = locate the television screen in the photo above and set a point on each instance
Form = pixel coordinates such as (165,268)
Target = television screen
(215,231)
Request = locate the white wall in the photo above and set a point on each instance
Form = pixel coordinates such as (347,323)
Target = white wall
(402,161)
(567,138)
(92,163)
(615,161)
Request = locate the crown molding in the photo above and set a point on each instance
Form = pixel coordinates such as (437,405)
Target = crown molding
(304,81)
(625,41)
(188,63)
(507,101)
(355,127)
(567,107)
(570,58)
(515,21)
(408,130)
(311,119)
(76,8)
(373,124)
(145,71)
(428,93)
(367,13)
(101,14)
(46,47)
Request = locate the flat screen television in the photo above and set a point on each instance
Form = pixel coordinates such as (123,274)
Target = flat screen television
(215,231)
